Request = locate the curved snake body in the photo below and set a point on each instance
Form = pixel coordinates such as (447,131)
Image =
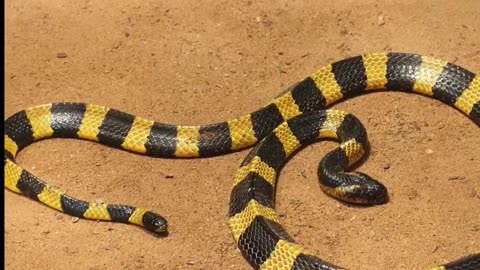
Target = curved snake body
(291,120)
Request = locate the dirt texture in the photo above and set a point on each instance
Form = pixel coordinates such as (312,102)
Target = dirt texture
(192,62)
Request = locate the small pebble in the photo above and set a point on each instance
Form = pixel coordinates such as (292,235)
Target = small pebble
(61,55)
(117,44)
(99,201)
(412,194)
(305,55)
(380,20)
(169,175)
(429,151)
(75,219)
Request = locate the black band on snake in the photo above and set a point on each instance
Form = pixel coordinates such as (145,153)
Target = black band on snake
(291,120)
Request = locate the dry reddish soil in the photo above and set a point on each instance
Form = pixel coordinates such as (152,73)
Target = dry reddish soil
(189,62)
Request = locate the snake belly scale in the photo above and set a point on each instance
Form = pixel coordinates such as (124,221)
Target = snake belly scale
(293,119)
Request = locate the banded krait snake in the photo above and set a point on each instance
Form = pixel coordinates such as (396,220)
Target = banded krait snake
(293,119)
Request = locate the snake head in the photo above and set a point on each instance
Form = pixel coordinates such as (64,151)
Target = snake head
(366,190)
(358,188)
(154,223)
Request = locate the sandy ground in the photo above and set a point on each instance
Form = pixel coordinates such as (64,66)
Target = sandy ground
(187,62)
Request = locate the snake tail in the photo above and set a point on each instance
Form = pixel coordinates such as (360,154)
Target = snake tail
(61,120)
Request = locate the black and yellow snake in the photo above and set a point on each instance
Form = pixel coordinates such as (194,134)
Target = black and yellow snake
(293,119)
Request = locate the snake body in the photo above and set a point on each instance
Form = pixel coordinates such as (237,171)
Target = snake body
(293,119)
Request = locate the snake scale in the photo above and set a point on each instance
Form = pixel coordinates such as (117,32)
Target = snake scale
(293,119)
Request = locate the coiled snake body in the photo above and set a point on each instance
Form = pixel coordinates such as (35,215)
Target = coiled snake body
(293,119)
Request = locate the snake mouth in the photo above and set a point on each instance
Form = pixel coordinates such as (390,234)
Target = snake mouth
(161,227)
(162,230)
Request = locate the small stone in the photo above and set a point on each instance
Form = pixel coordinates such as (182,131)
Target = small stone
(429,151)
(169,176)
(386,166)
(99,201)
(380,20)
(117,44)
(61,55)
(456,177)
(305,54)
(75,219)
(190,262)
(108,70)
(412,194)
